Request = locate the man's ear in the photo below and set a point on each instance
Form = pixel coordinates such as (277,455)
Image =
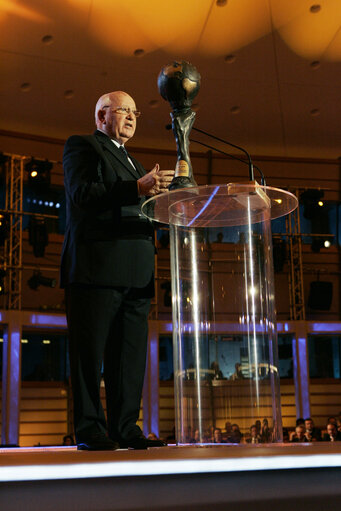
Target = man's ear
(101,116)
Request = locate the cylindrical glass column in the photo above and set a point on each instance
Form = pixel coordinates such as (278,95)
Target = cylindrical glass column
(224,330)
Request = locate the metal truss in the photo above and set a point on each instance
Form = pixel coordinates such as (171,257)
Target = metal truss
(296,289)
(12,260)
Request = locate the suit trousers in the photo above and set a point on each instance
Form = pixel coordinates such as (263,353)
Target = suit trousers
(108,327)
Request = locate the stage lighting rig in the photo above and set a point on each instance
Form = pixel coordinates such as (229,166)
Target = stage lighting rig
(39,173)
(38,279)
(315,210)
(38,235)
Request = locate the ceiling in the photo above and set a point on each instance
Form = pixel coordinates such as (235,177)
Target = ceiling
(270,69)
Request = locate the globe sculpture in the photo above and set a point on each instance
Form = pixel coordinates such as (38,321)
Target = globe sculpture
(179,83)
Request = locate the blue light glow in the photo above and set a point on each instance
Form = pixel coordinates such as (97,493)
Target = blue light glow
(166,467)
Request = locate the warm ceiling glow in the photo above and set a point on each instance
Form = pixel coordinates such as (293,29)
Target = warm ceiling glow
(177,26)
(11,7)
(310,34)
(183,28)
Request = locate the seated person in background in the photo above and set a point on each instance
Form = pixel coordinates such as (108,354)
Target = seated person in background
(255,437)
(265,432)
(68,440)
(237,375)
(299,435)
(236,434)
(152,436)
(312,434)
(217,375)
(332,435)
(218,437)
(197,436)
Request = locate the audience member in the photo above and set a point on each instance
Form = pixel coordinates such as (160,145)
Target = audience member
(265,433)
(217,374)
(68,440)
(299,435)
(312,434)
(332,435)
(237,375)
(255,438)
(236,434)
(218,437)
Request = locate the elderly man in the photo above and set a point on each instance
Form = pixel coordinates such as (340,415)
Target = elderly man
(107,271)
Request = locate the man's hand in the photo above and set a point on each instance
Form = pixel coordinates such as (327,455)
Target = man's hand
(156,181)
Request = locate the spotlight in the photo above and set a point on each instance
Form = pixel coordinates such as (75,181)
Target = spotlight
(38,237)
(315,210)
(38,279)
(312,201)
(39,173)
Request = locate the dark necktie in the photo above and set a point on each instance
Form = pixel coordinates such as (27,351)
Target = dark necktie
(126,155)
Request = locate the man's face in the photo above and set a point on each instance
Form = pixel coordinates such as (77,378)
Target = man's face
(309,425)
(254,431)
(217,436)
(120,126)
(331,430)
(300,432)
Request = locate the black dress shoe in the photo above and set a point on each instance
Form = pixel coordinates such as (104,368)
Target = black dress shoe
(141,442)
(97,442)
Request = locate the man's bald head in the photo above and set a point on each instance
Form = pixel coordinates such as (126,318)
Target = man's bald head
(109,99)
(117,125)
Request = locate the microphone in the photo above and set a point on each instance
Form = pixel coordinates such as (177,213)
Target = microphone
(249,162)
(263,182)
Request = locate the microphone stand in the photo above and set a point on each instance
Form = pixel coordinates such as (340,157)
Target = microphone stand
(263,182)
(251,173)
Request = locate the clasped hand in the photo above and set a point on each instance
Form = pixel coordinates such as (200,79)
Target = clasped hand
(156,181)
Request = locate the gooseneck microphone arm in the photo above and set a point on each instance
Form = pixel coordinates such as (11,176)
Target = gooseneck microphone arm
(251,173)
(263,182)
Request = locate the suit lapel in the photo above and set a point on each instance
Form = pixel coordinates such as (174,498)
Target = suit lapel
(115,151)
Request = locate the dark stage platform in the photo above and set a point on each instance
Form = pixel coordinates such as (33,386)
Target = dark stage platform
(227,477)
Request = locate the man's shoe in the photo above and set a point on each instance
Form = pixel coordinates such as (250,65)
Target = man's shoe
(141,442)
(97,442)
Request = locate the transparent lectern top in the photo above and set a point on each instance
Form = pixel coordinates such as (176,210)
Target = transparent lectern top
(219,205)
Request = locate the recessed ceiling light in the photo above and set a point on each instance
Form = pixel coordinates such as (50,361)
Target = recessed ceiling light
(139,52)
(25,87)
(314,112)
(315,8)
(230,58)
(153,103)
(235,110)
(315,64)
(69,94)
(221,3)
(47,39)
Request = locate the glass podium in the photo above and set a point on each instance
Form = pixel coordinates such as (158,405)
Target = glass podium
(225,370)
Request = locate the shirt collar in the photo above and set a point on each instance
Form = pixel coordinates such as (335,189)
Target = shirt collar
(117,144)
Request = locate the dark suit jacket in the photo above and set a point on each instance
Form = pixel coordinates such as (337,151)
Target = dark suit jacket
(107,241)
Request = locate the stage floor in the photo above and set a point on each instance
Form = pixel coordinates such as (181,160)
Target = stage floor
(287,476)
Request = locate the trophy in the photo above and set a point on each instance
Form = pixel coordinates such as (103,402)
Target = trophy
(179,83)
